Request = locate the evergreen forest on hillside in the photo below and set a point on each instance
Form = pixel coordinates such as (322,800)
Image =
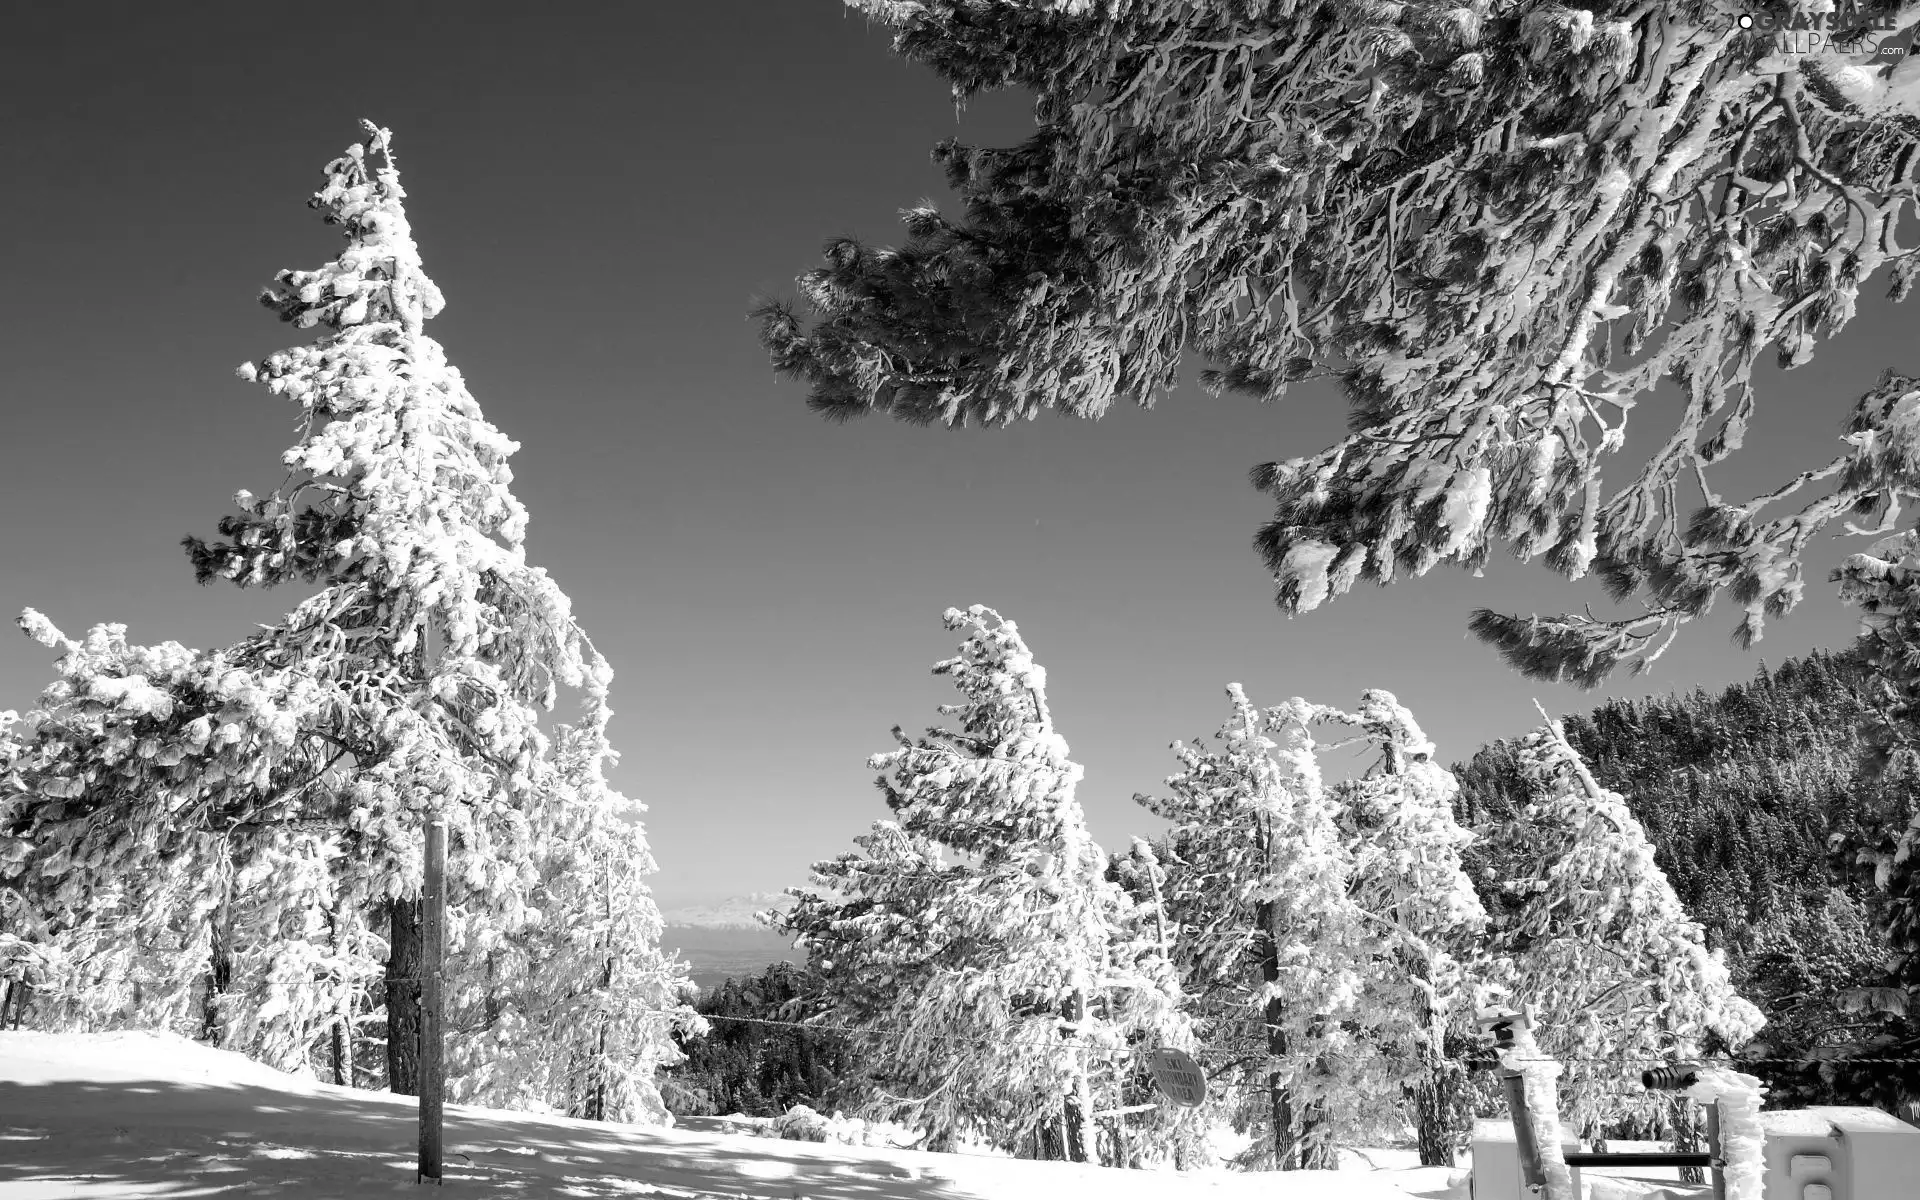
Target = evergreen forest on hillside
(755,1059)
(1759,804)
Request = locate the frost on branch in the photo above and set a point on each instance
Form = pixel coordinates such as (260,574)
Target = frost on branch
(1504,224)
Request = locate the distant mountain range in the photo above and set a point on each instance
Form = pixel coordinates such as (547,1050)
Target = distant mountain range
(723,940)
(735,912)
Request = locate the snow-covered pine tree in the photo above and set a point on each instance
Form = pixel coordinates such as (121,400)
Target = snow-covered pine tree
(1502,222)
(413,685)
(1603,950)
(1144,946)
(971,944)
(1408,880)
(22,944)
(134,852)
(1884,583)
(1259,880)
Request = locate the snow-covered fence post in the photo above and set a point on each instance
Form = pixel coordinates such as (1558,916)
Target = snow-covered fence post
(1079,1104)
(1734,1133)
(1713,1147)
(433,928)
(1736,1141)
(1536,1120)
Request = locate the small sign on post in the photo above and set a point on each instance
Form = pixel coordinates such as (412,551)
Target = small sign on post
(433,939)
(1178,1077)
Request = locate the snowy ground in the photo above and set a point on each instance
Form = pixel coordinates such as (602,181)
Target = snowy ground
(128,1116)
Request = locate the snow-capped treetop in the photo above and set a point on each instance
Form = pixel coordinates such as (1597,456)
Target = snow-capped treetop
(406,477)
(1426,919)
(398,496)
(379,277)
(1002,783)
(1256,836)
(1501,223)
(1393,727)
(1407,840)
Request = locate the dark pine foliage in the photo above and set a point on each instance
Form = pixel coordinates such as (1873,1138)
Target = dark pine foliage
(1757,801)
(745,1065)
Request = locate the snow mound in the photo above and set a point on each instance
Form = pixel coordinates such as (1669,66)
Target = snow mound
(132,1056)
(802,1124)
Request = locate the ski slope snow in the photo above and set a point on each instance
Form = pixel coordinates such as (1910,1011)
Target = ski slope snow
(133,1116)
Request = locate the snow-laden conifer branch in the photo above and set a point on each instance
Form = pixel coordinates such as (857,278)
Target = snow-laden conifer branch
(1505,222)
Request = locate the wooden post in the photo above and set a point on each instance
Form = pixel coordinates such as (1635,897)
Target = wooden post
(1719,1162)
(433,929)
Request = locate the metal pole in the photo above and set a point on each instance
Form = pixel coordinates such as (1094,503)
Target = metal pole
(1532,1175)
(433,927)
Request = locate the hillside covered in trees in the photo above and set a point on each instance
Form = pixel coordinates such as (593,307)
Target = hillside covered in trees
(1758,805)
(754,1059)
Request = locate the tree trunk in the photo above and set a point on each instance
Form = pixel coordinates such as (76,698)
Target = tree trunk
(1317,1150)
(213,1023)
(1280,1103)
(1436,1102)
(1050,1142)
(1680,1114)
(594,1103)
(597,1074)
(403,996)
(1435,1095)
(404,954)
(342,1031)
(1686,1138)
(339,1055)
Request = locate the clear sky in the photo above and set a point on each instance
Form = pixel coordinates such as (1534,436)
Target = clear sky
(601,189)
